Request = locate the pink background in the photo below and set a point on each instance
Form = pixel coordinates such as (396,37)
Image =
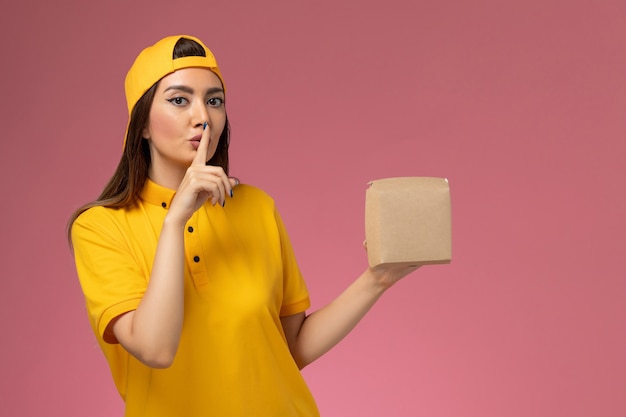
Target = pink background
(519,103)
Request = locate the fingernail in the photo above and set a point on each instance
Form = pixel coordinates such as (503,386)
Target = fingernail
(205,125)
(231,193)
(223,203)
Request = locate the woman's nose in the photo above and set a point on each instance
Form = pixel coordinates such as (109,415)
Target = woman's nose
(200,113)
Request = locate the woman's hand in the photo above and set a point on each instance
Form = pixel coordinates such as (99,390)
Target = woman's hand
(201,183)
(385,276)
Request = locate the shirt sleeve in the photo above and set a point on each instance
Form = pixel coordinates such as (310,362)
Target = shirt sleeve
(112,281)
(295,293)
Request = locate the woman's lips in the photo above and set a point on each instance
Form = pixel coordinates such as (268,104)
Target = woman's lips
(195,141)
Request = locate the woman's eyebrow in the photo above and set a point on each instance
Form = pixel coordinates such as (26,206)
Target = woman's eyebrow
(189,90)
(182,88)
(214,90)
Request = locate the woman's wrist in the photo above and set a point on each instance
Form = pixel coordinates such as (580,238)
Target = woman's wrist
(377,280)
(174,222)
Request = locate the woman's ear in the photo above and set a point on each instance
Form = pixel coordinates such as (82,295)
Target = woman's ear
(145,133)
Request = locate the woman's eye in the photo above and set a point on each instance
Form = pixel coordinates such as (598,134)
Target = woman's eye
(215,101)
(178,101)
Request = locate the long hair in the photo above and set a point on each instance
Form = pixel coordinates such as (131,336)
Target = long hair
(124,187)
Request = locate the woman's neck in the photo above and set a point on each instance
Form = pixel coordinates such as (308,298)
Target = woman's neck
(168,177)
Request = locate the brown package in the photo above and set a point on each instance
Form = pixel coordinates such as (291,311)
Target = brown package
(408,221)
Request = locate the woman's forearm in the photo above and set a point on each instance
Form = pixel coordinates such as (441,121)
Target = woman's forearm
(326,327)
(312,336)
(152,332)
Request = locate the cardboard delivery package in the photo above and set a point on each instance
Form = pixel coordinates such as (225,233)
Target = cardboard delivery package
(408,221)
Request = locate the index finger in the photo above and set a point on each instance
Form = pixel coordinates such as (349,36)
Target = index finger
(203,146)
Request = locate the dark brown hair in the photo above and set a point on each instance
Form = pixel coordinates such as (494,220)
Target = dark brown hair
(125,185)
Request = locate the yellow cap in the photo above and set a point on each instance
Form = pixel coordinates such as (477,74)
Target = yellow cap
(155,62)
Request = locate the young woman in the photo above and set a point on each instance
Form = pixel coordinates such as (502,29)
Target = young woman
(190,280)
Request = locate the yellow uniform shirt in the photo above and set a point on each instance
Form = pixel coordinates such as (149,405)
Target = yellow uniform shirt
(241,276)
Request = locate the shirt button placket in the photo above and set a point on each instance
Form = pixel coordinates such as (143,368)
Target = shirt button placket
(192,237)
(193,251)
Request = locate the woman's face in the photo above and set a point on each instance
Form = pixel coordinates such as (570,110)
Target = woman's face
(183,101)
